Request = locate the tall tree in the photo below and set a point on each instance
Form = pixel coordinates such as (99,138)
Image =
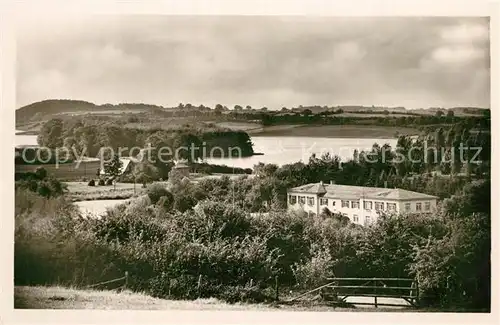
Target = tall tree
(51,134)
(113,168)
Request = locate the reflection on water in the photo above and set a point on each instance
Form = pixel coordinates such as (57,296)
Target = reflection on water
(281,150)
(24,139)
(286,150)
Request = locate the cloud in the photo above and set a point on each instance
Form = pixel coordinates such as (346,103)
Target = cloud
(465,33)
(457,54)
(259,61)
(96,62)
(45,84)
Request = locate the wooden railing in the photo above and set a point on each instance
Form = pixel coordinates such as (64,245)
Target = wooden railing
(342,288)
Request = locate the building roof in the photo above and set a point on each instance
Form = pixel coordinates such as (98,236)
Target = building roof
(336,191)
(180,164)
(313,188)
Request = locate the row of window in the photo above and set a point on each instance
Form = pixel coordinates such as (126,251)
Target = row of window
(302,200)
(367,205)
(418,206)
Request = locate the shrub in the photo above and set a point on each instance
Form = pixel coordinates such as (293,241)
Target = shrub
(166,201)
(48,187)
(101,182)
(315,271)
(40,173)
(156,191)
(91,183)
(109,181)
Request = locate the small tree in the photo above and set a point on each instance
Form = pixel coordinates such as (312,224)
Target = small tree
(113,167)
(41,173)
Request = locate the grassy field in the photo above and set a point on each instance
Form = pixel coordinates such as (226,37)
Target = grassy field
(83,188)
(69,171)
(244,126)
(63,298)
(80,191)
(336,131)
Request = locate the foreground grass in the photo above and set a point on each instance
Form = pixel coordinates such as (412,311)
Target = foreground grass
(65,298)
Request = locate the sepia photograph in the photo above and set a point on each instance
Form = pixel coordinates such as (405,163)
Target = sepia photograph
(231,162)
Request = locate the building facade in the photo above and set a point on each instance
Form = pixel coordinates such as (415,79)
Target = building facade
(362,205)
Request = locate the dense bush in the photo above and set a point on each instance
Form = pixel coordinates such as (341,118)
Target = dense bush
(51,244)
(101,182)
(39,182)
(109,181)
(91,182)
(157,191)
(217,250)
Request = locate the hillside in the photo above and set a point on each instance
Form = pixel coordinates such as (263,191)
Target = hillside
(48,108)
(37,110)
(44,110)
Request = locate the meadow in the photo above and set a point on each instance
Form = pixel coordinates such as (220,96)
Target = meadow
(54,297)
(336,131)
(66,171)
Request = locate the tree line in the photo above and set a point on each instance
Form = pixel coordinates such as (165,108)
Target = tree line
(92,136)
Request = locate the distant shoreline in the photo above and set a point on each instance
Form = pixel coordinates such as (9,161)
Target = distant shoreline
(334,131)
(317,131)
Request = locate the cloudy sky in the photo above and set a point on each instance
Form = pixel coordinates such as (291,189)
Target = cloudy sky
(257,61)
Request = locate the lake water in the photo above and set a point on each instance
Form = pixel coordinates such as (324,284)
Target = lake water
(97,208)
(282,150)
(286,150)
(23,139)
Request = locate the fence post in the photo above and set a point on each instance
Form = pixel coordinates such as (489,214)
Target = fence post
(126,280)
(417,298)
(276,288)
(375,290)
(199,286)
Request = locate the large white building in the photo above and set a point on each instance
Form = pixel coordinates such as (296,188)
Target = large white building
(362,205)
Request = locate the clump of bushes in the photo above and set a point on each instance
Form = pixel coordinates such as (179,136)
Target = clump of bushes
(157,191)
(40,182)
(101,182)
(109,181)
(91,183)
(216,249)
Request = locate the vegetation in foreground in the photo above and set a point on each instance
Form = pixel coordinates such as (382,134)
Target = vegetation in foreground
(217,250)
(66,298)
(189,241)
(41,297)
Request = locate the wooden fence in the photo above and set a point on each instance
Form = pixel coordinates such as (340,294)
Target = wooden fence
(342,288)
(123,278)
